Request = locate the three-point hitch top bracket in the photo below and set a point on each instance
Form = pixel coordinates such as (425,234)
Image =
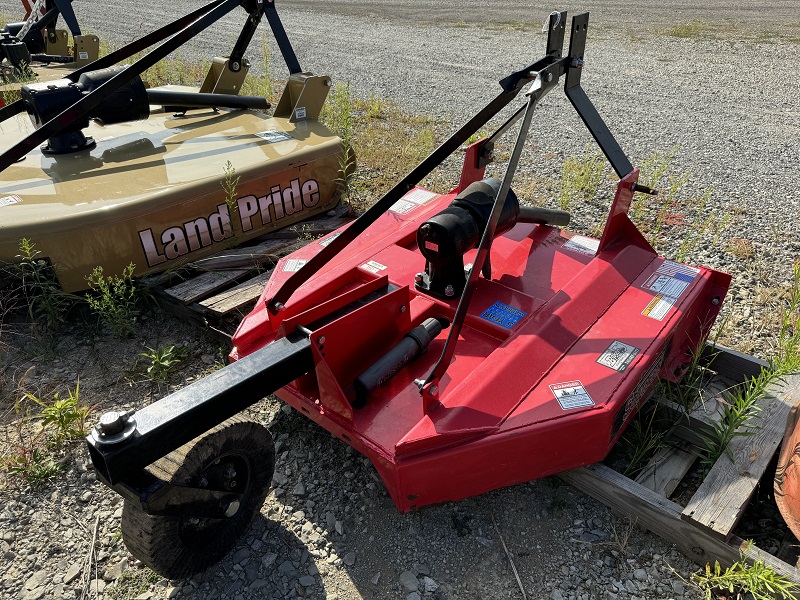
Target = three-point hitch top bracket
(545,73)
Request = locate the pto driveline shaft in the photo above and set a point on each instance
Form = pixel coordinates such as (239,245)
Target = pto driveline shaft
(197,100)
(414,343)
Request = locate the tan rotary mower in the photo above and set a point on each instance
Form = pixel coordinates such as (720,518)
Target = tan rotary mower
(104,172)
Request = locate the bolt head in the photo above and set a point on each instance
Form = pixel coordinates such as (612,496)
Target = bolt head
(418,278)
(232,508)
(434,390)
(321,340)
(449,291)
(111,422)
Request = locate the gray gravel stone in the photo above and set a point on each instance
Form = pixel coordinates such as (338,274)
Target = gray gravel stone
(307,580)
(409,581)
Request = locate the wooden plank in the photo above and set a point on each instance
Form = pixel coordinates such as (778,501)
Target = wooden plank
(204,284)
(704,413)
(732,363)
(666,470)
(309,229)
(719,502)
(231,299)
(246,256)
(663,517)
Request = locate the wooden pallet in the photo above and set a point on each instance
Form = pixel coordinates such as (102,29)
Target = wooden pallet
(220,290)
(703,529)
(225,287)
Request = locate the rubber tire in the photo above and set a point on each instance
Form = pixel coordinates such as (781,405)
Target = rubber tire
(162,542)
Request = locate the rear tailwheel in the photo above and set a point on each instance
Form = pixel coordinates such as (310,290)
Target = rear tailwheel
(237,456)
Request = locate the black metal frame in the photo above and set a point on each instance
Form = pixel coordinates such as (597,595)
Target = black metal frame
(175,34)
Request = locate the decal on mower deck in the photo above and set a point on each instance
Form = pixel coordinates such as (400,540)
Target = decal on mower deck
(413,199)
(582,245)
(658,307)
(273,137)
(618,356)
(571,394)
(328,239)
(251,212)
(373,267)
(293,265)
(9,200)
(645,383)
(671,279)
(502,314)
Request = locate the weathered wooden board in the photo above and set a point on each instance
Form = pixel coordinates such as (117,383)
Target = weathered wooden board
(666,470)
(250,257)
(204,284)
(663,517)
(236,297)
(719,502)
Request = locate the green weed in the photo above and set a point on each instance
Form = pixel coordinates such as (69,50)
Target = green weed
(757,581)
(66,415)
(163,360)
(337,113)
(644,439)
(47,302)
(739,410)
(132,583)
(580,179)
(695,30)
(387,142)
(261,85)
(113,299)
(35,467)
(229,186)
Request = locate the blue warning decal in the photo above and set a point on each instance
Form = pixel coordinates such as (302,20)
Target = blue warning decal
(503,315)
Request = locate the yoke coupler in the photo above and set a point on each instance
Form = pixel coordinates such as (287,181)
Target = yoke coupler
(447,236)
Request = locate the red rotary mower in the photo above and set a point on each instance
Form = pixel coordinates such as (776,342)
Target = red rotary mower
(461,341)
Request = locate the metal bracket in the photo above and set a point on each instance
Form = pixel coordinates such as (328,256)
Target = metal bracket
(584,107)
(159,498)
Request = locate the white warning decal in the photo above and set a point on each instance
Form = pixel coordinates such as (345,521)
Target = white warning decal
(293,264)
(571,394)
(326,241)
(664,284)
(274,136)
(373,266)
(658,307)
(413,199)
(583,245)
(678,270)
(403,207)
(618,356)
(8,200)
(420,196)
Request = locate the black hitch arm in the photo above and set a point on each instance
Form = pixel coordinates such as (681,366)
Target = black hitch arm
(121,445)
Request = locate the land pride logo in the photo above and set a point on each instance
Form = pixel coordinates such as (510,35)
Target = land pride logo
(250,212)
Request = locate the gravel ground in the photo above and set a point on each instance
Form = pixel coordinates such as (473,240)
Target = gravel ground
(727,97)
